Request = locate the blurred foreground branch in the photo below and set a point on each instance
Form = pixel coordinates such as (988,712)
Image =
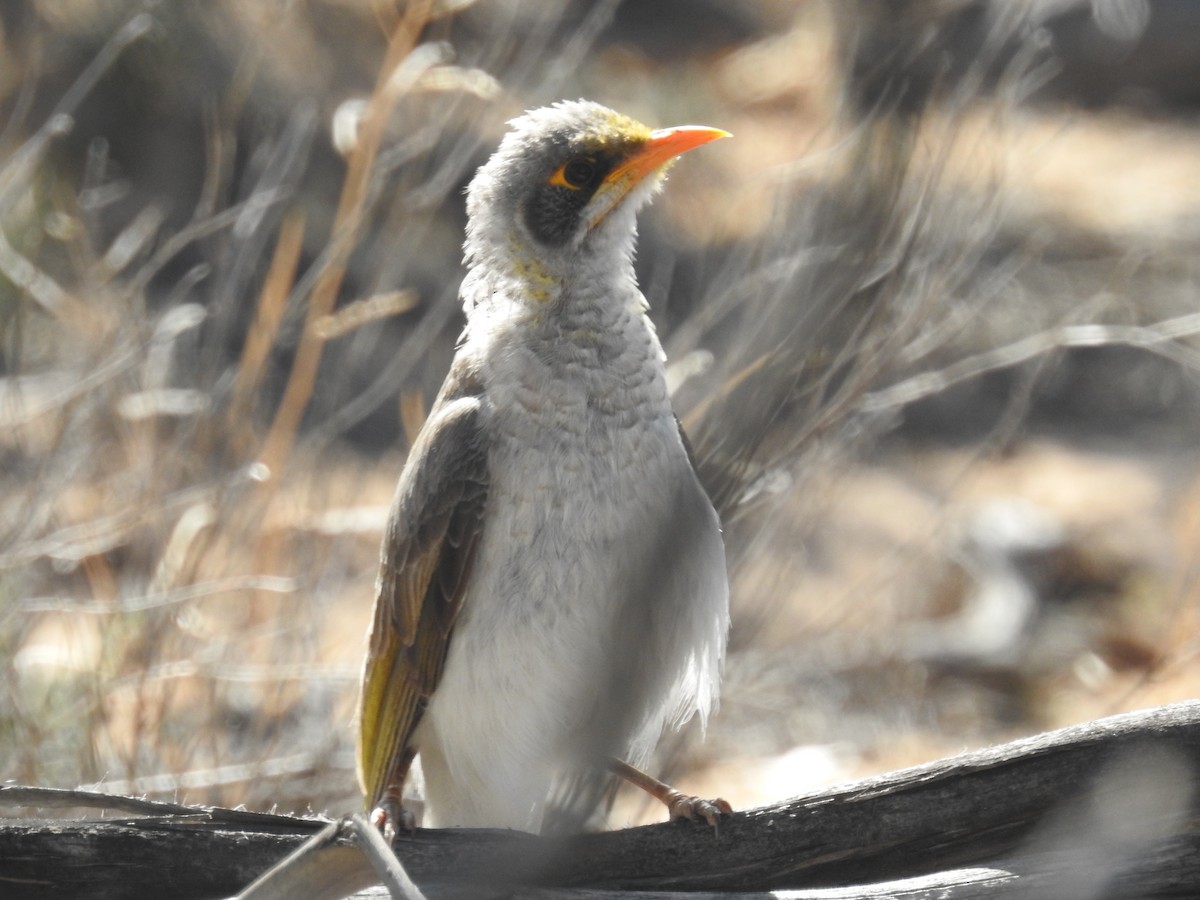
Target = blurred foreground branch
(1101,809)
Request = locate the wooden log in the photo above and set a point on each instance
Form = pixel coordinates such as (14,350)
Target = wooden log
(1109,805)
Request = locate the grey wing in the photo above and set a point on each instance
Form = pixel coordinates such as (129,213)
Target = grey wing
(428,550)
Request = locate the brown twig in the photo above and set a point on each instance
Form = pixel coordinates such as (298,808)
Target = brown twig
(347,223)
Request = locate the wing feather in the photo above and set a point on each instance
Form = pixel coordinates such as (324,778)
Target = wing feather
(428,549)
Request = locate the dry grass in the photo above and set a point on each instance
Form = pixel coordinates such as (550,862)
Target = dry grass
(869,317)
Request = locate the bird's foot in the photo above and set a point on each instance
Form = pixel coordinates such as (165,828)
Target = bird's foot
(684,806)
(679,804)
(390,816)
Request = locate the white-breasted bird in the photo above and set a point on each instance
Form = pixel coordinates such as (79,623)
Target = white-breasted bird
(552,593)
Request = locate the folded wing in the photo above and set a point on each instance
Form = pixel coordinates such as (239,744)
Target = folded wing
(432,534)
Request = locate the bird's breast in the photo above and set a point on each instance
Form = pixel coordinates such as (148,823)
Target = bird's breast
(582,440)
(573,464)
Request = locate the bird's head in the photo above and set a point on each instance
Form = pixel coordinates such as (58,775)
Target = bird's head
(566,183)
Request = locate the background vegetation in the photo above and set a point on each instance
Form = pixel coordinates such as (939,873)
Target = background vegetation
(931,315)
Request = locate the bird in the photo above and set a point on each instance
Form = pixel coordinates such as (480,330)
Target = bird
(552,593)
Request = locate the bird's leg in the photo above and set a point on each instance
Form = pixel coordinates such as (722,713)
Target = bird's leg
(679,805)
(389,812)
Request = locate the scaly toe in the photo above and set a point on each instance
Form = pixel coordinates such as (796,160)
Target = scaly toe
(682,806)
(388,816)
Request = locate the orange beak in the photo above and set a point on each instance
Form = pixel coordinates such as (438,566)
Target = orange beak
(661,147)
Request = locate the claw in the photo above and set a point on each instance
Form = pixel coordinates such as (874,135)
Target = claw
(679,805)
(388,815)
(683,806)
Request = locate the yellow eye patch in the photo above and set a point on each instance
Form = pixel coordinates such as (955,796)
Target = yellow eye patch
(575,174)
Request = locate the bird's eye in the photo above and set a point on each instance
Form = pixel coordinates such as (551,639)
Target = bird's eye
(575,174)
